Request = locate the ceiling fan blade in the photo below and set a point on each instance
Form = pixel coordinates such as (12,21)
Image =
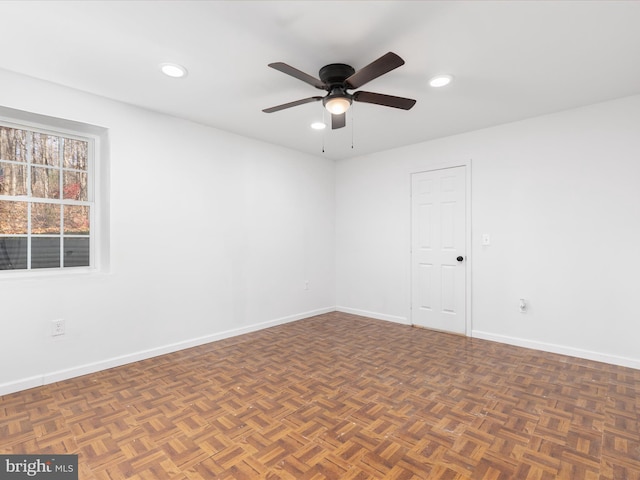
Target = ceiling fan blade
(294,72)
(378,67)
(384,100)
(338,120)
(291,104)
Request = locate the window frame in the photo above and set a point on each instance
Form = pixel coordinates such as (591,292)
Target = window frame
(59,128)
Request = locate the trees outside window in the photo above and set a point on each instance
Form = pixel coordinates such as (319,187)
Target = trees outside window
(46,199)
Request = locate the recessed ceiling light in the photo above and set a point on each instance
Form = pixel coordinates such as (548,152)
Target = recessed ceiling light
(173,70)
(441,80)
(318,126)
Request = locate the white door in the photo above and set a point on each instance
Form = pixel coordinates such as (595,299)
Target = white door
(438,257)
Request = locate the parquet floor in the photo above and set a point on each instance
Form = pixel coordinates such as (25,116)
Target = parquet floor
(339,397)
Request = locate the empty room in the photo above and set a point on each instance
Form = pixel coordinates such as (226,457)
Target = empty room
(319,240)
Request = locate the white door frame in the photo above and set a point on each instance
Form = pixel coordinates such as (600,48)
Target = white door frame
(468,256)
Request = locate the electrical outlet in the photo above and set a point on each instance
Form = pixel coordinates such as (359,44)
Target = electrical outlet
(306,284)
(57,327)
(523,306)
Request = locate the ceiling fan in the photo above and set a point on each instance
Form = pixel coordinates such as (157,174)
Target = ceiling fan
(337,78)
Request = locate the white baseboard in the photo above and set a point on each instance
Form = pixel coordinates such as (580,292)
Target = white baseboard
(22,384)
(59,375)
(376,315)
(560,349)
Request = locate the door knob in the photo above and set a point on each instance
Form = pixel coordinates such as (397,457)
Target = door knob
(460,258)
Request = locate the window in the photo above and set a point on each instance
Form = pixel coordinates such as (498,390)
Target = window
(46,199)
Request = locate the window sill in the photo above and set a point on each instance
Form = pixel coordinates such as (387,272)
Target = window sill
(50,273)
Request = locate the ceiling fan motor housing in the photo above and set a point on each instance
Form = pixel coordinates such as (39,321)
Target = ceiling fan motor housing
(335,74)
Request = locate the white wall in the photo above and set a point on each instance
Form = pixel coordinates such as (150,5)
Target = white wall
(211,235)
(560,196)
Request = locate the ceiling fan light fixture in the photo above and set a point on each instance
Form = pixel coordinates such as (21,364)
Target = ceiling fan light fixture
(173,70)
(337,105)
(441,80)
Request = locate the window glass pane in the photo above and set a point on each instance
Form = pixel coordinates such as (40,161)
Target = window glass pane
(43,178)
(45,252)
(13,179)
(45,182)
(75,186)
(76,219)
(46,149)
(13,218)
(76,154)
(76,251)
(45,218)
(13,253)
(13,144)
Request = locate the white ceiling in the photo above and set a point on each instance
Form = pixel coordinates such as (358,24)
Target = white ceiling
(511,60)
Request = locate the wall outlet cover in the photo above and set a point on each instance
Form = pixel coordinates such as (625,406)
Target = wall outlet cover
(57,327)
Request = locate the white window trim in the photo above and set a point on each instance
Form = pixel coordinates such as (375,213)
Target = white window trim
(98,174)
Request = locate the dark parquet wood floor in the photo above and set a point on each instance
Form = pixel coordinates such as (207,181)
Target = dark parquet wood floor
(339,397)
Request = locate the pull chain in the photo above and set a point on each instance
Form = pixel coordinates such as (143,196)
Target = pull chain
(352,123)
(324,130)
